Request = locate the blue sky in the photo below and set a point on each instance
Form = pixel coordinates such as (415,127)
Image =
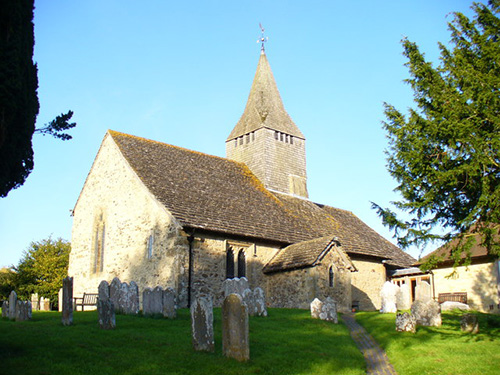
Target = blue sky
(180,72)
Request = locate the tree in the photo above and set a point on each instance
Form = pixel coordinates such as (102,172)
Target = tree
(6,283)
(42,269)
(18,95)
(445,154)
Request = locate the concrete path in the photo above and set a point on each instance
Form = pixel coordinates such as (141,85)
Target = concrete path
(377,362)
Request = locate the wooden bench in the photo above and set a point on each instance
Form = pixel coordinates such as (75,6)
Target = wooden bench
(88,299)
(455,297)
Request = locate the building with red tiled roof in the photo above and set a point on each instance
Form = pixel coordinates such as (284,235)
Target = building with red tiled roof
(163,215)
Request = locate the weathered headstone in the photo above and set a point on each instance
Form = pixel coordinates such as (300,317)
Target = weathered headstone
(427,313)
(235,341)
(12,305)
(123,297)
(114,293)
(44,304)
(242,285)
(316,308)
(35,301)
(23,311)
(106,311)
(133,301)
(423,291)
(5,309)
(152,301)
(452,305)
(406,322)
(103,291)
(469,323)
(67,301)
(202,324)
(259,302)
(169,309)
(329,310)
(230,286)
(403,297)
(388,294)
(248,299)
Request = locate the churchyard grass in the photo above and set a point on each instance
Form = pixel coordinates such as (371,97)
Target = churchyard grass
(438,350)
(288,341)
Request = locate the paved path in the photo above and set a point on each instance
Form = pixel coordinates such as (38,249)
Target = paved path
(377,362)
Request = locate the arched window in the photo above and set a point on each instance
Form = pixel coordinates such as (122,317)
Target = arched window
(331,277)
(99,242)
(149,248)
(241,264)
(229,264)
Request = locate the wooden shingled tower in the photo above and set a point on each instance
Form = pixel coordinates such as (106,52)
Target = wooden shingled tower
(267,140)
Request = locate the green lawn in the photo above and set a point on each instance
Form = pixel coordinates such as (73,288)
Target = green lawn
(286,342)
(444,350)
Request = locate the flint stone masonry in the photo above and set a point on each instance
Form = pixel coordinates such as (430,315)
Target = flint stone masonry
(67,302)
(427,313)
(202,324)
(235,341)
(169,307)
(5,309)
(406,322)
(106,312)
(388,297)
(423,291)
(12,305)
(469,323)
(23,311)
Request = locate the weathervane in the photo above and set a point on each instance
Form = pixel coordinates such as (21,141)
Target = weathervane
(262,38)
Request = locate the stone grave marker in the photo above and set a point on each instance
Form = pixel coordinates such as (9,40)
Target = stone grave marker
(169,308)
(259,302)
(423,291)
(114,293)
(67,301)
(406,322)
(403,297)
(12,305)
(106,312)
(248,299)
(388,294)
(123,297)
(235,341)
(202,324)
(316,308)
(103,291)
(23,311)
(5,309)
(427,313)
(469,323)
(133,302)
(329,310)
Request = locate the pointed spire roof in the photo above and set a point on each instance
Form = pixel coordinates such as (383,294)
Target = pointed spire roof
(264,107)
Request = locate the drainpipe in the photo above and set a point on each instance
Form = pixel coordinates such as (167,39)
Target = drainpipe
(190,267)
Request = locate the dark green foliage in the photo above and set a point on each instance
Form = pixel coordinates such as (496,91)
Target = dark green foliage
(43,267)
(445,154)
(18,93)
(6,283)
(55,127)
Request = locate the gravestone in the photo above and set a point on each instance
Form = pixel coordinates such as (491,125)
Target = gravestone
(242,285)
(316,308)
(59,300)
(103,291)
(106,312)
(230,286)
(133,302)
(403,297)
(12,305)
(248,299)
(44,304)
(423,291)
(388,295)
(5,309)
(169,310)
(469,323)
(67,301)
(406,322)
(202,324)
(427,313)
(35,302)
(114,293)
(23,311)
(329,310)
(259,302)
(123,297)
(235,342)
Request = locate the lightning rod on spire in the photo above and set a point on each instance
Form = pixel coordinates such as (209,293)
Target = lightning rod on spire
(262,38)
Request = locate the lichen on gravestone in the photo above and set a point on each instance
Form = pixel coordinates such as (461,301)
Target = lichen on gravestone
(235,334)
(202,324)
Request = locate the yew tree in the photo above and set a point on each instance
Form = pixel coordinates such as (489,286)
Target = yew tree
(445,152)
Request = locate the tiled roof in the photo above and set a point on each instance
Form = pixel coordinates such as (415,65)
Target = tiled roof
(305,254)
(264,108)
(217,194)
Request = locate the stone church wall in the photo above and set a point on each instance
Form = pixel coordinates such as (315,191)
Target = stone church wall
(367,283)
(115,202)
(298,288)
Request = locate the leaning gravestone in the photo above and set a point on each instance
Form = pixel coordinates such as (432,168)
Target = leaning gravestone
(168,309)
(202,324)
(329,310)
(423,291)
(23,311)
(12,305)
(5,309)
(388,294)
(316,308)
(67,302)
(469,323)
(106,312)
(259,299)
(114,293)
(406,322)
(235,342)
(427,313)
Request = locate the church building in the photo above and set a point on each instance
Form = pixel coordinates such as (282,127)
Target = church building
(162,215)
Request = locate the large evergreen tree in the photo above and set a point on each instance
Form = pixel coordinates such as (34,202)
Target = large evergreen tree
(445,154)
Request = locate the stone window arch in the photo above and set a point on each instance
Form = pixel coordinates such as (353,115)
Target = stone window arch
(229,263)
(242,268)
(331,277)
(99,244)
